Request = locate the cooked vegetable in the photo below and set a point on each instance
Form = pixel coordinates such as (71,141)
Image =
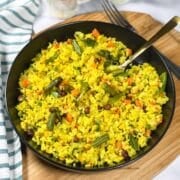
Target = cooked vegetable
(57,113)
(52,84)
(133,142)
(115,98)
(119,72)
(90,42)
(76,46)
(52,58)
(84,86)
(69,117)
(128,52)
(109,58)
(80,113)
(100,140)
(163,78)
(109,89)
(55,94)
(51,121)
(25,83)
(105,53)
(95,33)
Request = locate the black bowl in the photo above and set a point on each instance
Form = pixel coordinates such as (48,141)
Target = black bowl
(62,33)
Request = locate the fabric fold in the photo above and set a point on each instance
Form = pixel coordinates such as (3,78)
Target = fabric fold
(16,19)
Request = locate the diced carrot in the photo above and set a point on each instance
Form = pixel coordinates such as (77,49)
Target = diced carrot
(75,92)
(95,33)
(118,144)
(116,110)
(128,52)
(25,83)
(110,44)
(130,81)
(56,45)
(139,103)
(69,117)
(127,101)
(94,65)
(69,41)
(148,132)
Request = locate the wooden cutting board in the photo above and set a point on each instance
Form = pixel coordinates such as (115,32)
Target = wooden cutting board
(157,159)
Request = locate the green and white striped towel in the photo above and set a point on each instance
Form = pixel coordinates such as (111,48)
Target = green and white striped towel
(16,20)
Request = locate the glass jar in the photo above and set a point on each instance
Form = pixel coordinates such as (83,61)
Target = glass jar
(62,8)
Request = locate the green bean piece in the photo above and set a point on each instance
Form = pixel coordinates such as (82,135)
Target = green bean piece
(90,42)
(84,86)
(53,83)
(109,57)
(55,94)
(163,78)
(51,121)
(59,115)
(76,46)
(109,89)
(52,58)
(115,98)
(120,72)
(97,127)
(133,141)
(79,35)
(68,88)
(100,140)
(104,53)
(53,109)
(111,68)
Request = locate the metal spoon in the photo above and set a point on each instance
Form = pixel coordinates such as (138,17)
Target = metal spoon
(165,29)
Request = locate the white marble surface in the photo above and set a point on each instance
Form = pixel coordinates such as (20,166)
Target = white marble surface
(161,10)
(171,172)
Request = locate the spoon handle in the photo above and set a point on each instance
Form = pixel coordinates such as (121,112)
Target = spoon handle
(166,28)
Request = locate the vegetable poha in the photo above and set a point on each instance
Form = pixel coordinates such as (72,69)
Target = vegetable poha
(80,113)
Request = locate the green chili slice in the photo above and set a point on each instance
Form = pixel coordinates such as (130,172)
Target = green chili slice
(90,42)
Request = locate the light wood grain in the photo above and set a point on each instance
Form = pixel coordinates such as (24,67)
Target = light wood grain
(157,159)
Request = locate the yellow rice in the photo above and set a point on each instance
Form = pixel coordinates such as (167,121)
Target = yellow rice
(136,112)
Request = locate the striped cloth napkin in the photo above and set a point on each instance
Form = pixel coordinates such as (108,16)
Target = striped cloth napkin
(16,19)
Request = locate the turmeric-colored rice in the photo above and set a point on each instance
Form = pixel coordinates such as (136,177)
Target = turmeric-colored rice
(79,113)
